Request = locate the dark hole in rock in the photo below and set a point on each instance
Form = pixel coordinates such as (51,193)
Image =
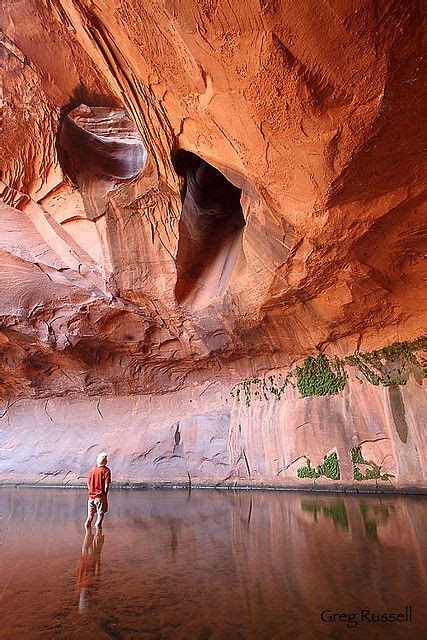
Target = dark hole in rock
(210,230)
(398,412)
(100,141)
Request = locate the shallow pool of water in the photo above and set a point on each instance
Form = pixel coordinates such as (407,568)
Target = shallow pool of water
(217,565)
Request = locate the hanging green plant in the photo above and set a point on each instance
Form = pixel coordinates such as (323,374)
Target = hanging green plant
(391,365)
(330,468)
(265,388)
(320,377)
(372,473)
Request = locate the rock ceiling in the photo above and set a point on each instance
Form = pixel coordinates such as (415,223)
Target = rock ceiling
(205,186)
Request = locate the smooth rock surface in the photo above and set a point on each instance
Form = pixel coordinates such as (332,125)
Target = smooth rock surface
(180,440)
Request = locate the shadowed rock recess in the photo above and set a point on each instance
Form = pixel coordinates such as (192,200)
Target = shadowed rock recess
(211,243)
(209,229)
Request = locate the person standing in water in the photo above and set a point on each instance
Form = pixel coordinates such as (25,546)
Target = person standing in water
(98,484)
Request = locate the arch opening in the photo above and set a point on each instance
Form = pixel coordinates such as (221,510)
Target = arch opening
(101,142)
(210,230)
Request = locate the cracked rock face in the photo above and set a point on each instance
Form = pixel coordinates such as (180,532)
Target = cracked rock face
(195,194)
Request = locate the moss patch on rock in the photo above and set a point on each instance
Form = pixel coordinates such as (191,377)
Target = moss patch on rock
(391,365)
(266,388)
(329,468)
(372,473)
(320,376)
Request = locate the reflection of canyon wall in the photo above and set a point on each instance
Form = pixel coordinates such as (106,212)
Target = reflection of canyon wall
(251,565)
(127,272)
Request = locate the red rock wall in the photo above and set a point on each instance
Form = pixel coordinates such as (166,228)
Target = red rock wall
(314,113)
(206,437)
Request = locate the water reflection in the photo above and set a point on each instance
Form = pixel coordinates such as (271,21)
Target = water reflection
(335,510)
(88,571)
(374,513)
(212,565)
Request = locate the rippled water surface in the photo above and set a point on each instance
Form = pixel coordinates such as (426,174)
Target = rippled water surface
(211,565)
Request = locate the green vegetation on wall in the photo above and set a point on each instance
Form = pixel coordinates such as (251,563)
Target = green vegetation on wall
(322,375)
(262,388)
(374,473)
(391,365)
(329,468)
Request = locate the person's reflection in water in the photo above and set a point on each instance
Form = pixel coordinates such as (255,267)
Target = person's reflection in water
(89,568)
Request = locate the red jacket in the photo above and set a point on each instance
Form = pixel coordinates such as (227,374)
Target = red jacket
(99,477)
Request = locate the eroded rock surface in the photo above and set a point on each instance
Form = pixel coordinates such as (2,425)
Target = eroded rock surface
(196,193)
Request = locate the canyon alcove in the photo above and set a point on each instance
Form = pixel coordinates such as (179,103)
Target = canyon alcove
(218,228)
(213,338)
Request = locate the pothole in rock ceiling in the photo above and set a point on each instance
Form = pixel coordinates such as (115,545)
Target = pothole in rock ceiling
(102,142)
(210,230)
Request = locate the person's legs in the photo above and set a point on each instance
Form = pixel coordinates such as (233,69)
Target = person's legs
(101,508)
(91,508)
(98,523)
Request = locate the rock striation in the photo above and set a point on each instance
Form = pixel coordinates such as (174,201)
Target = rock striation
(199,194)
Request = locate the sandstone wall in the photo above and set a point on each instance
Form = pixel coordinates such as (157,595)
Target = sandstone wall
(208,438)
